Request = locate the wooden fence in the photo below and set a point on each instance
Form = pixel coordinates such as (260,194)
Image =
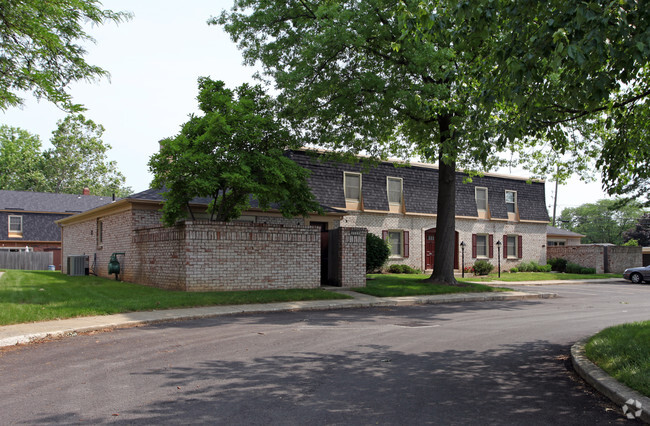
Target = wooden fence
(33,260)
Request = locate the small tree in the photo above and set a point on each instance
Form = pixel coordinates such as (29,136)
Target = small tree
(640,232)
(377,252)
(233,152)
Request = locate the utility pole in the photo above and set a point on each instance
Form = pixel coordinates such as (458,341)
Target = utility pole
(557,178)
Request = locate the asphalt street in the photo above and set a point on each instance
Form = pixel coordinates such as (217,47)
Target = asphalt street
(472,363)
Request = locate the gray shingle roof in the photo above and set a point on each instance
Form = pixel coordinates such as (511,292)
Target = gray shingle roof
(420,185)
(47,202)
(559,232)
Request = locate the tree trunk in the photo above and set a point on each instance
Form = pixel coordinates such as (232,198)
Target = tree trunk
(443,262)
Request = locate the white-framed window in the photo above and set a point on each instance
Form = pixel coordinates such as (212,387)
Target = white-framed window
(512,246)
(481,195)
(399,242)
(394,186)
(15,225)
(482,245)
(352,186)
(511,201)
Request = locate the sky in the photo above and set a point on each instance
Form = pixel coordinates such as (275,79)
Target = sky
(154,61)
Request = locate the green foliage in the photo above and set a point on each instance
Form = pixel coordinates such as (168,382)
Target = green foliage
(557,264)
(573,268)
(21,161)
(230,153)
(604,221)
(482,267)
(403,269)
(377,252)
(533,266)
(640,232)
(458,82)
(514,270)
(631,243)
(77,159)
(42,48)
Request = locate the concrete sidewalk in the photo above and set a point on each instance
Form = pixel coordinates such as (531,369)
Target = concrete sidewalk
(557,282)
(24,333)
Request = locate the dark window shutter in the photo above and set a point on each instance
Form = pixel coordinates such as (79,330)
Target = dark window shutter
(519,247)
(406,243)
(505,246)
(491,244)
(384,235)
(473,245)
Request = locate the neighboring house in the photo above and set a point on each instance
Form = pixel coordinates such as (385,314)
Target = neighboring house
(397,203)
(27,219)
(562,237)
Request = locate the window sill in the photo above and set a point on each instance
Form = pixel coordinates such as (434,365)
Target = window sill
(15,235)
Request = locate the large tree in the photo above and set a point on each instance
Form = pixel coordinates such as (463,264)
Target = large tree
(604,221)
(78,159)
(41,48)
(230,153)
(436,78)
(21,160)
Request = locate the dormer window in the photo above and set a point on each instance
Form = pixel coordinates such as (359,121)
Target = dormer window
(511,201)
(481,199)
(352,186)
(394,187)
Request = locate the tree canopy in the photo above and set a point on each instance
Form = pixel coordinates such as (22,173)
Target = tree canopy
(454,82)
(233,152)
(640,231)
(77,159)
(604,221)
(41,48)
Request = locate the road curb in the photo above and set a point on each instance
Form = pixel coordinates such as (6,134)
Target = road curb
(604,383)
(17,334)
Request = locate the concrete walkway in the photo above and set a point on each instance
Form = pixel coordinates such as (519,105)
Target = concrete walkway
(24,333)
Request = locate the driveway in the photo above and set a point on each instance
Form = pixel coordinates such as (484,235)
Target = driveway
(473,363)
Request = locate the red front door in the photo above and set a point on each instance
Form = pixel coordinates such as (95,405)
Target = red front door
(429,248)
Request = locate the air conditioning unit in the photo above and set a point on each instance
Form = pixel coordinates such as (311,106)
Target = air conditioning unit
(77,265)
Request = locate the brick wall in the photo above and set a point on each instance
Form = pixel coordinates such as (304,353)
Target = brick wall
(210,256)
(619,258)
(587,255)
(348,257)
(533,236)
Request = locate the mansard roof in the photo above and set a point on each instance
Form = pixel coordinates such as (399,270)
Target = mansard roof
(420,188)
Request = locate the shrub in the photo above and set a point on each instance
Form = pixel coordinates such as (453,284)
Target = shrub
(482,267)
(544,268)
(631,243)
(533,267)
(377,252)
(557,264)
(469,269)
(514,270)
(588,271)
(573,268)
(403,269)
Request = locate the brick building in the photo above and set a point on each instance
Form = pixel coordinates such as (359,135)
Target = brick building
(264,250)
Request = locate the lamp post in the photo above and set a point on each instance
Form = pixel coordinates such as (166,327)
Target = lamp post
(462,257)
(499,257)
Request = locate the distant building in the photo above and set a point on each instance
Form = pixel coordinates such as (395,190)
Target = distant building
(27,219)
(562,237)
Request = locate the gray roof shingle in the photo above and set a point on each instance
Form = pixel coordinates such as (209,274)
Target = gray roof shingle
(48,202)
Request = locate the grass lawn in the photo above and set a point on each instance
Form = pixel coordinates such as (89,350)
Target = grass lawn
(623,351)
(536,276)
(27,296)
(395,285)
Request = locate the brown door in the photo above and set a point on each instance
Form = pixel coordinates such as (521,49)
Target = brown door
(429,248)
(324,251)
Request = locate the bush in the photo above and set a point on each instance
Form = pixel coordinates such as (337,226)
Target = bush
(514,270)
(573,268)
(377,252)
(403,269)
(482,267)
(588,271)
(533,267)
(557,264)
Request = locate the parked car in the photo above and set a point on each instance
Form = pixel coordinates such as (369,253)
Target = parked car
(637,275)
